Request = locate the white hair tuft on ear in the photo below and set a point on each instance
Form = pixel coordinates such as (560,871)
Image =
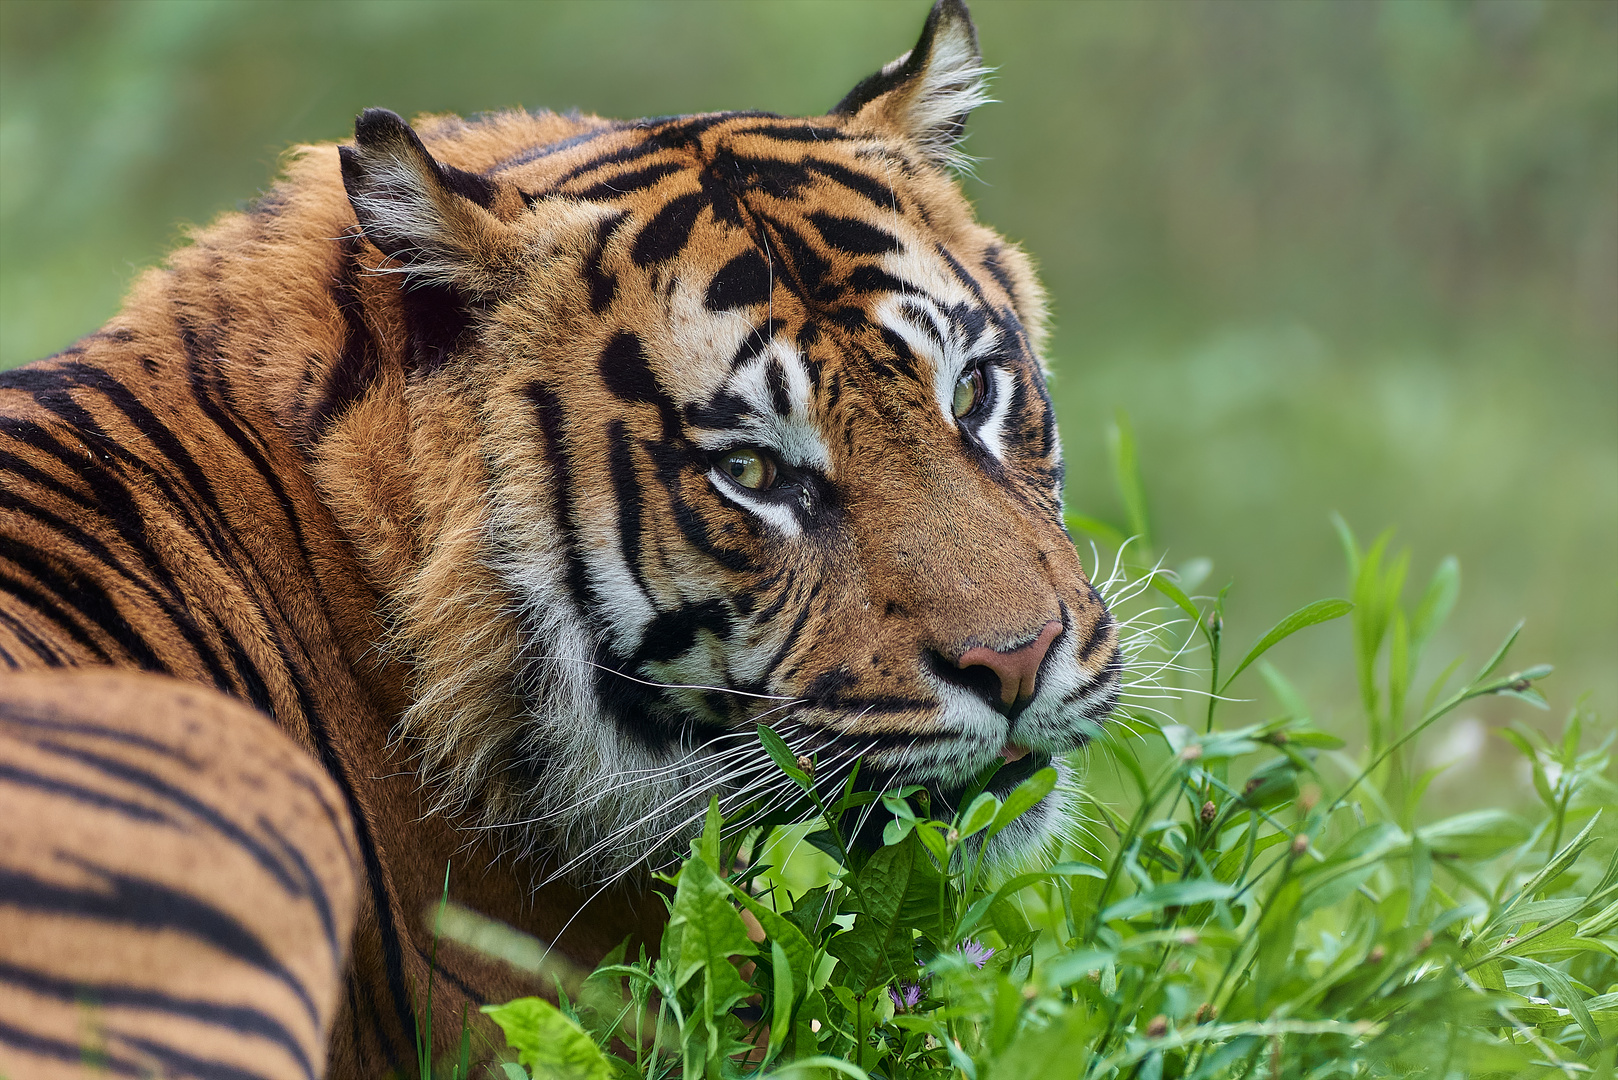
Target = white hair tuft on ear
(927,94)
(432,220)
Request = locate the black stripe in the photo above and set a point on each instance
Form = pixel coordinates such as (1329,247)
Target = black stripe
(75,1052)
(100,800)
(311,888)
(44,716)
(744,280)
(626,487)
(359,364)
(795,632)
(31,641)
(194,501)
(155,785)
(795,131)
(671,463)
(603,283)
(1097,637)
(147,905)
(86,598)
(669,230)
(213,397)
(534,153)
(997,270)
(853,236)
(468,185)
(627,183)
(42,605)
(548,407)
(807,271)
(875,279)
(621,156)
(179,1063)
(240,1019)
(629,376)
(724,410)
(674,633)
(117,505)
(775,377)
(860,183)
(963,276)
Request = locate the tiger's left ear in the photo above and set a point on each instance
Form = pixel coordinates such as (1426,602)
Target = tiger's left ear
(440,225)
(927,94)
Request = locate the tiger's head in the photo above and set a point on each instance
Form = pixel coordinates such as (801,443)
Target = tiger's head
(702,423)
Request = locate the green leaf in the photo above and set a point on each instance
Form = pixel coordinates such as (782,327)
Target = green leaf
(896,830)
(1351,546)
(898,890)
(1126,474)
(810,1066)
(547,1042)
(1314,740)
(785,935)
(1398,664)
(1110,535)
(1436,604)
(1168,588)
(1562,859)
(706,846)
(781,1019)
(1499,654)
(1562,989)
(1169,894)
(1478,834)
(1011,888)
(1284,691)
(710,931)
(984,809)
(1023,798)
(784,758)
(1318,612)
(1278,932)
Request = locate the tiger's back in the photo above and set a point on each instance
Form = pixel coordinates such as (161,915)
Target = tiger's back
(517,469)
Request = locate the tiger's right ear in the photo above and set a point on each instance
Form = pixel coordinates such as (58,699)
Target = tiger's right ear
(437,223)
(927,94)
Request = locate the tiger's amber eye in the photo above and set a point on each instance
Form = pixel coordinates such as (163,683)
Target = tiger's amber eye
(748,467)
(968,391)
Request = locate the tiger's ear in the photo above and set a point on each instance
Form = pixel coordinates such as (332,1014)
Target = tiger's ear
(927,94)
(436,222)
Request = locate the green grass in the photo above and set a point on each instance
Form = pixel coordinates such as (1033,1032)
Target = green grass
(1264,903)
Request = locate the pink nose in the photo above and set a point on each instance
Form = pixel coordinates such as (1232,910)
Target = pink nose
(1018,668)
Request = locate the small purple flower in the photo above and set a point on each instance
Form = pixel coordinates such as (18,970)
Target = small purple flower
(977,954)
(906,996)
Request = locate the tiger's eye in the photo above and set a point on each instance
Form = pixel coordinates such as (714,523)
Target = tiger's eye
(968,391)
(748,467)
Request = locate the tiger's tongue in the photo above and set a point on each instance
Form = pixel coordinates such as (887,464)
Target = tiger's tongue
(1012,752)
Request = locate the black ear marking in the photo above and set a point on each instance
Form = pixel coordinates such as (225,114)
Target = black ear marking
(383,129)
(928,92)
(909,65)
(401,194)
(433,222)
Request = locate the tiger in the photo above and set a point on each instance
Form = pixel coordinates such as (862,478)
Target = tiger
(449,521)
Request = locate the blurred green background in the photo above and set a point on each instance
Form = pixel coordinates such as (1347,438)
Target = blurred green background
(1340,256)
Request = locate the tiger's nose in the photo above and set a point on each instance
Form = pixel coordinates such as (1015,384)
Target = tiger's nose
(1017,669)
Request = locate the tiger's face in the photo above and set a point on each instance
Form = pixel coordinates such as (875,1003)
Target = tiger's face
(765,439)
